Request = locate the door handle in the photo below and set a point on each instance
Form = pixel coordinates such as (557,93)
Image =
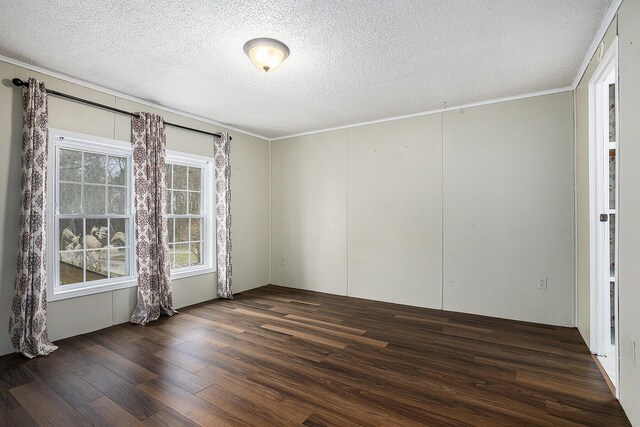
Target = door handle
(604,217)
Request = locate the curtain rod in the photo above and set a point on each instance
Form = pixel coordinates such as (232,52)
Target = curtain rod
(19,83)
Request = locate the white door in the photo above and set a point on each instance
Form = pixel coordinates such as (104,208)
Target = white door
(603,99)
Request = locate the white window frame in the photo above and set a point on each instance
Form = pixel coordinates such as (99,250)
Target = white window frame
(207,205)
(59,139)
(77,141)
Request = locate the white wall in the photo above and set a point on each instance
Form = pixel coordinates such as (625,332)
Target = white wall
(507,210)
(395,211)
(629,209)
(250,202)
(508,214)
(313,222)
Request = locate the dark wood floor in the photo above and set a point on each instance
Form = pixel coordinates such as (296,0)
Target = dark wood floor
(277,356)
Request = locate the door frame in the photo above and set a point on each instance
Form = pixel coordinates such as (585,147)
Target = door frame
(598,203)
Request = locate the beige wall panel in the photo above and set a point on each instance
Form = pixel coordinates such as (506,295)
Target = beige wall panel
(275,204)
(313,212)
(124,301)
(508,217)
(80,315)
(395,211)
(629,220)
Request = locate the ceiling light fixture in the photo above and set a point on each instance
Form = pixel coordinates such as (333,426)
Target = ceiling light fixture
(266,54)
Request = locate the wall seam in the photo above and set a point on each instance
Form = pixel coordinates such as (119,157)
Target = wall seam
(575,209)
(270,216)
(442,211)
(347,219)
(278,220)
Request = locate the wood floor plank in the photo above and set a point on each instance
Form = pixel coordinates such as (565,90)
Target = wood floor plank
(55,373)
(168,418)
(18,417)
(251,402)
(46,407)
(342,335)
(183,360)
(7,401)
(190,319)
(305,335)
(122,392)
(104,412)
(192,407)
(14,371)
(330,325)
(119,365)
(284,356)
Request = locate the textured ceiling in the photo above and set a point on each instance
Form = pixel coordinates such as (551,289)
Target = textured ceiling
(351,61)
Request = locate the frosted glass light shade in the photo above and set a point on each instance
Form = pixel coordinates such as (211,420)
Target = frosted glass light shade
(266,54)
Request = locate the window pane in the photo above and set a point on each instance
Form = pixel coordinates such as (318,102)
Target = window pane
(94,199)
(612,245)
(93,248)
(179,202)
(95,168)
(195,254)
(70,195)
(117,200)
(117,170)
(119,262)
(169,200)
(182,230)
(612,179)
(194,179)
(70,165)
(71,267)
(97,233)
(612,112)
(179,177)
(96,264)
(172,260)
(167,175)
(182,255)
(70,234)
(170,226)
(195,229)
(96,238)
(118,232)
(194,202)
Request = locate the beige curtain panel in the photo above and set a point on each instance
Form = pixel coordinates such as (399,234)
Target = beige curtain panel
(223,215)
(148,138)
(28,318)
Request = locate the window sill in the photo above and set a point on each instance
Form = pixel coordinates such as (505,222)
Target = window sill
(62,294)
(129,283)
(190,272)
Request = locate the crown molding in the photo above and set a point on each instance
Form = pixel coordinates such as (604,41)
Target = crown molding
(426,113)
(602,30)
(106,90)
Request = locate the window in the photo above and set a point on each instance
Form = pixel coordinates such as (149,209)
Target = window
(91,215)
(189,212)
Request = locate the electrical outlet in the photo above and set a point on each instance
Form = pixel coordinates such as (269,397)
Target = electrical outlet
(542,283)
(281,261)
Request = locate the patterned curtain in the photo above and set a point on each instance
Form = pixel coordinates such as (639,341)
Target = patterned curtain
(223,215)
(148,138)
(28,319)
